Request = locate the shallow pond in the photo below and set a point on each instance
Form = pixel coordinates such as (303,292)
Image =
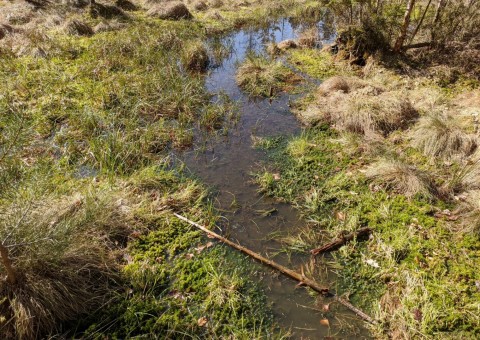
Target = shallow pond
(227,164)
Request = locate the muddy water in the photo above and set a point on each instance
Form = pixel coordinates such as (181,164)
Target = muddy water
(226,164)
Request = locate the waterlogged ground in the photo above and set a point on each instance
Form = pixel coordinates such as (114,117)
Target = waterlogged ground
(258,222)
(91,117)
(106,132)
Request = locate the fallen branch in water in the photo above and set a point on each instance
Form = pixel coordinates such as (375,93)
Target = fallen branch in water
(290,273)
(293,274)
(335,244)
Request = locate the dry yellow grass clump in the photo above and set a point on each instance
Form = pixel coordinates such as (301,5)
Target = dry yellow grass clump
(357,106)
(59,262)
(401,178)
(442,135)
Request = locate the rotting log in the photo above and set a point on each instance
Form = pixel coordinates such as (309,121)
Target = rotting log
(337,243)
(288,272)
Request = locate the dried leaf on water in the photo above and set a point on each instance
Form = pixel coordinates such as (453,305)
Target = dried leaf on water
(324,322)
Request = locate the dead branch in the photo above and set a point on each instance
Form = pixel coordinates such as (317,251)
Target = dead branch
(288,272)
(337,243)
(417,45)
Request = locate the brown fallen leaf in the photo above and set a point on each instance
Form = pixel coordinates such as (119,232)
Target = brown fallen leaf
(202,322)
(325,322)
(276,177)
(326,308)
(340,216)
(189,256)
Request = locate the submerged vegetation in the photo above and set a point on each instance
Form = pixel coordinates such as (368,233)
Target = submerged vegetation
(259,76)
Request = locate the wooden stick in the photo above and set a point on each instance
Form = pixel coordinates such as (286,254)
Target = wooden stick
(294,275)
(337,243)
(288,272)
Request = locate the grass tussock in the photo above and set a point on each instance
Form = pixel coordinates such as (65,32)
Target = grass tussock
(309,38)
(442,136)
(195,57)
(401,178)
(64,265)
(358,107)
(76,27)
(171,10)
(259,76)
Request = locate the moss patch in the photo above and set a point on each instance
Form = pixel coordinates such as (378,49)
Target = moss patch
(418,271)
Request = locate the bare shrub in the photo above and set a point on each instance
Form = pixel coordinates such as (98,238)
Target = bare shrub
(401,178)
(442,136)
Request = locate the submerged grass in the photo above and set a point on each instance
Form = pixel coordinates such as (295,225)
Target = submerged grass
(259,76)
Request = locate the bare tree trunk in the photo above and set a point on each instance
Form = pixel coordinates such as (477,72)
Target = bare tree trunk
(420,22)
(436,18)
(7,263)
(403,31)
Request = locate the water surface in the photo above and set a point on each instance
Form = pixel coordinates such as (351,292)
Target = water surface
(227,165)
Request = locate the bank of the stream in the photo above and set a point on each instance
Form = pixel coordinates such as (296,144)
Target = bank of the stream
(396,154)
